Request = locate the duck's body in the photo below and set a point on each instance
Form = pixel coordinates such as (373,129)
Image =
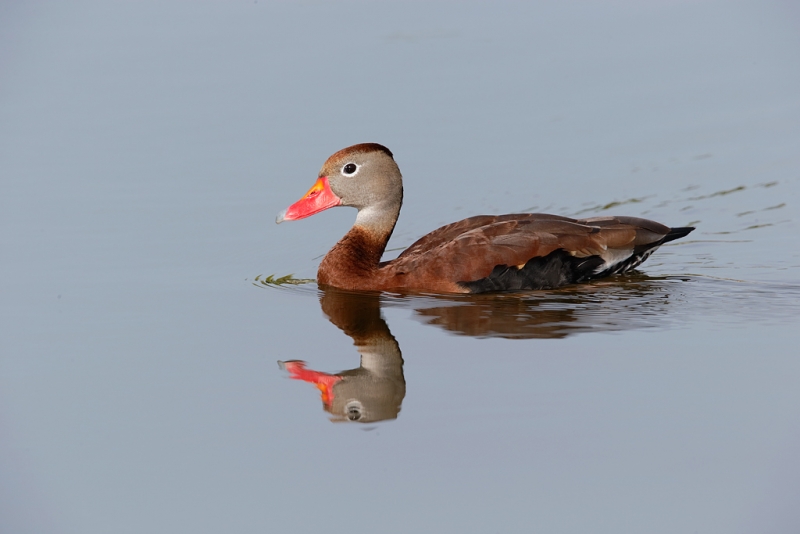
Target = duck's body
(474,255)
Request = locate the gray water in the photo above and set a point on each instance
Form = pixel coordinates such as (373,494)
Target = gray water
(146,147)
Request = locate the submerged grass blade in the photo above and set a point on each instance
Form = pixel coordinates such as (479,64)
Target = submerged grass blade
(289,279)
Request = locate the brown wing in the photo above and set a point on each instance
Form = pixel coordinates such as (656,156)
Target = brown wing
(647,231)
(473,254)
(524,251)
(451,231)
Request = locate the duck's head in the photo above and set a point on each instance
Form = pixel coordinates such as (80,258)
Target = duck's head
(363,176)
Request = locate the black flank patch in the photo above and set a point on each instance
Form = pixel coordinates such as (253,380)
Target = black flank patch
(557,269)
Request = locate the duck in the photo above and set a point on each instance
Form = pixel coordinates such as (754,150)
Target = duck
(479,254)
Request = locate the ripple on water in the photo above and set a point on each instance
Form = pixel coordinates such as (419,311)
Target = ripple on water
(617,304)
(736,269)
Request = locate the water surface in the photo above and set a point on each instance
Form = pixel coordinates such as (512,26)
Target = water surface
(145,149)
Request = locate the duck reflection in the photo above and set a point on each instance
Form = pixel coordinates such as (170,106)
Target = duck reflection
(375,390)
(626,303)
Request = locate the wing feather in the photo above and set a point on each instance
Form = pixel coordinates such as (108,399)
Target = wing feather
(471,248)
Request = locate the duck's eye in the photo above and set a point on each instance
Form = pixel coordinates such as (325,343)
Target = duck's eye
(354,410)
(350,169)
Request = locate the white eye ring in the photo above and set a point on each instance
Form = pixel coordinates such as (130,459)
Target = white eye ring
(350,169)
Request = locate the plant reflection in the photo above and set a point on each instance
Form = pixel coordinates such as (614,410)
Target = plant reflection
(375,390)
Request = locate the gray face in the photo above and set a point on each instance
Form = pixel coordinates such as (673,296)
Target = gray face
(364,179)
(363,397)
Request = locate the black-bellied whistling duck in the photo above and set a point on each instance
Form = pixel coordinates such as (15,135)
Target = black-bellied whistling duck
(474,255)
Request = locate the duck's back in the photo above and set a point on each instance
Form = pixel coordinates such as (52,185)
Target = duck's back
(526,251)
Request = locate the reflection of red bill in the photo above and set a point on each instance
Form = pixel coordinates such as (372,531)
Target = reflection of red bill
(318,198)
(324,382)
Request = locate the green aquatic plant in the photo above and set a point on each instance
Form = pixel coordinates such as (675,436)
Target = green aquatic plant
(719,193)
(289,279)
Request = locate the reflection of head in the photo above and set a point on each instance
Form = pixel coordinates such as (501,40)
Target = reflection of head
(375,390)
(366,397)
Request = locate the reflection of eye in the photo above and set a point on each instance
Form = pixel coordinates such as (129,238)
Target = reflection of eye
(353,410)
(350,169)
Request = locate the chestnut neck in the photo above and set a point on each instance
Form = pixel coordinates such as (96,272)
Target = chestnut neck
(359,316)
(355,260)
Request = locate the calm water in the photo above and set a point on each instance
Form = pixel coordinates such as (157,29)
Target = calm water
(145,149)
